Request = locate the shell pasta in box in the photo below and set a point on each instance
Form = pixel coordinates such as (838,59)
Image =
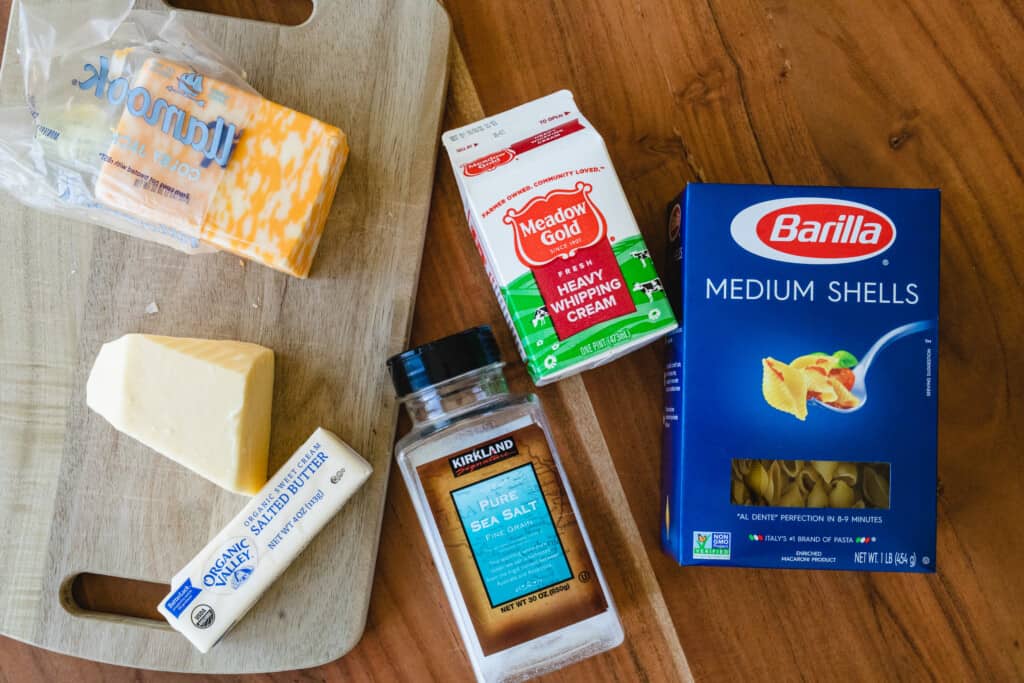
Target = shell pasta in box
(801,388)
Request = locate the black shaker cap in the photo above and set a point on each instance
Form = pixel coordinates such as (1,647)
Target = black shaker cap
(443,359)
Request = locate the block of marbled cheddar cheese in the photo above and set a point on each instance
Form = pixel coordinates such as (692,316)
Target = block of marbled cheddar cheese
(277,189)
(221,163)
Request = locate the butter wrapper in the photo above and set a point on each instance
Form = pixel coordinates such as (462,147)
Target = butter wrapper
(226,578)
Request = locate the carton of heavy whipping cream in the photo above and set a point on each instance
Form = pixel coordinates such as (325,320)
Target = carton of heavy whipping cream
(230,574)
(801,389)
(560,244)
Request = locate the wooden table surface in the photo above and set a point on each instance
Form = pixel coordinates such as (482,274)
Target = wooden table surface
(923,93)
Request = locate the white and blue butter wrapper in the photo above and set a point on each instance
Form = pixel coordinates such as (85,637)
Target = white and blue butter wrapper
(768,462)
(216,589)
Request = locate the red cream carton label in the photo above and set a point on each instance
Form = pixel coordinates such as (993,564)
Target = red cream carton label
(560,244)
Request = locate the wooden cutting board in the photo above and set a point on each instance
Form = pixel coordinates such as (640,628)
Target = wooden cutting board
(78,497)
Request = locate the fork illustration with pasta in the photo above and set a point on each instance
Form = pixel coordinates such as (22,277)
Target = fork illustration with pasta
(835,382)
(820,377)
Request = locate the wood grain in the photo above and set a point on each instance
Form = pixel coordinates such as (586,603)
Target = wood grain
(917,93)
(288,12)
(117,508)
(867,93)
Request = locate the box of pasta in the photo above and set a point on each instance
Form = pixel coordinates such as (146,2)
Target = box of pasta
(801,387)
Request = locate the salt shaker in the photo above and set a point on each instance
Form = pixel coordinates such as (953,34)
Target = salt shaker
(499,515)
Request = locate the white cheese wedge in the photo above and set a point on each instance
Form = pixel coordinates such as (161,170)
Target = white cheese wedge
(202,403)
(230,574)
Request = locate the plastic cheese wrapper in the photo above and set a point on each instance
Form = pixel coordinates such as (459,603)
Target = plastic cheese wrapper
(134,121)
(215,590)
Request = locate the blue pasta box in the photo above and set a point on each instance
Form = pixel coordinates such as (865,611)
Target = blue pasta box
(801,388)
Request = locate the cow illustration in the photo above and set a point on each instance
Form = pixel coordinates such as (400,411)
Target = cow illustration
(539,315)
(643,254)
(649,288)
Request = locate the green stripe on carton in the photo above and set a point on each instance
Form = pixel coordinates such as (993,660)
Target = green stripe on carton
(545,355)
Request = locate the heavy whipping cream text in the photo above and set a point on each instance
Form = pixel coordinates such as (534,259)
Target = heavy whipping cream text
(587,295)
(562,250)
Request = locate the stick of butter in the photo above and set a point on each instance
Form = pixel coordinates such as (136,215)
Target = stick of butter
(229,575)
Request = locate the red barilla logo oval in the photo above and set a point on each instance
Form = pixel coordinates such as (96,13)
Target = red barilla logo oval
(488,163)
(813,230)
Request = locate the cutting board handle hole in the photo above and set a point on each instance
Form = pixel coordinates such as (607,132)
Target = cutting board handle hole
(102,596)
(284,12)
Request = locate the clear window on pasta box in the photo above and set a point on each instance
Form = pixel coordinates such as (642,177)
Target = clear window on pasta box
(810,483)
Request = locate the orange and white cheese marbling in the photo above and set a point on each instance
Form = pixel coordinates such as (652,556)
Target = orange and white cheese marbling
(240,172)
